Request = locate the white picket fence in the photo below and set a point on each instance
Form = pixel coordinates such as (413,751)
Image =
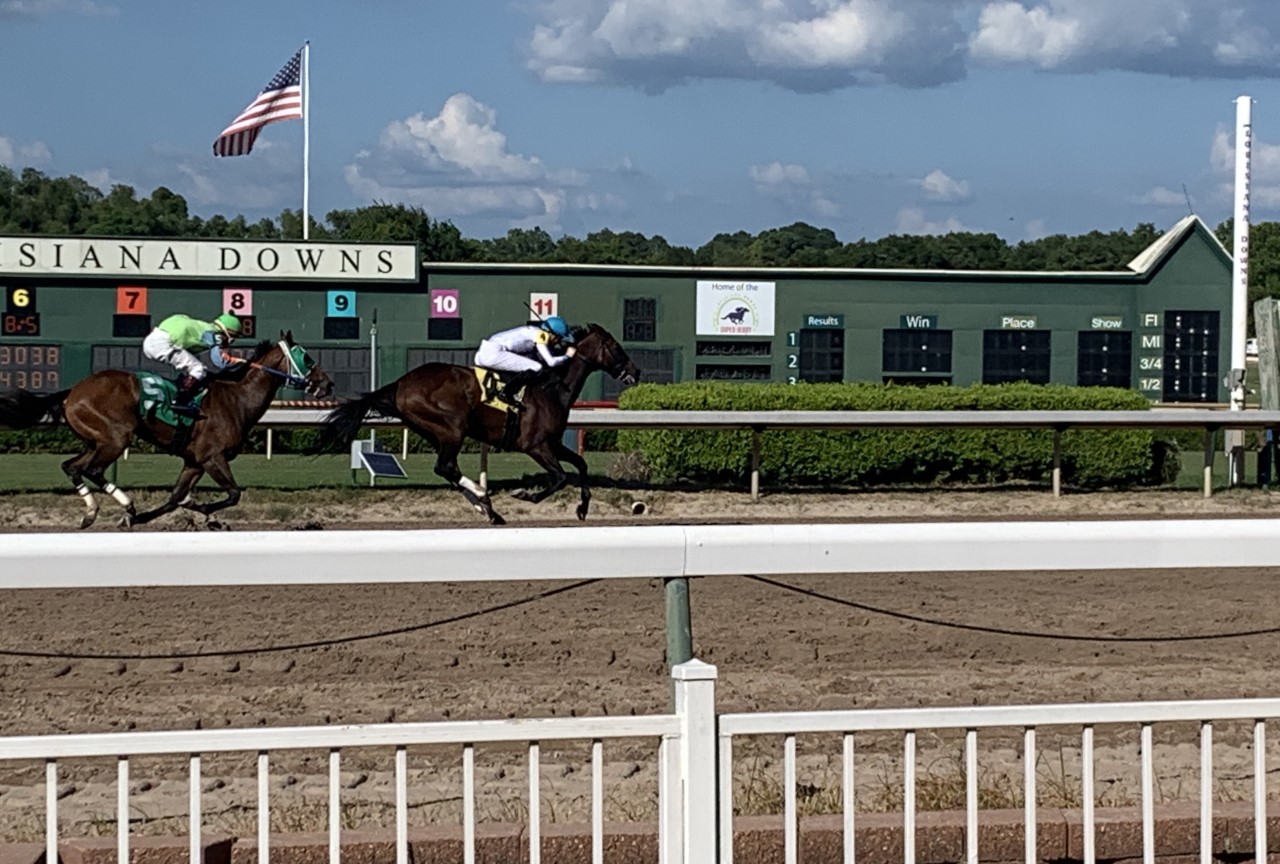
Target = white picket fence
(695,766)
(696,745)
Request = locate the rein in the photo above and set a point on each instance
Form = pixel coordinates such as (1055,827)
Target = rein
(290,378)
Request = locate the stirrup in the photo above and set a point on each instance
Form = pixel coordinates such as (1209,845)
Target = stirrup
(510,399)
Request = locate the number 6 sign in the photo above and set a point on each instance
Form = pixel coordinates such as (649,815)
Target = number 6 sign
(444,303)
(237,301)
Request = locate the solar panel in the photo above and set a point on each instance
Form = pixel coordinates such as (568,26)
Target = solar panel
(382,465)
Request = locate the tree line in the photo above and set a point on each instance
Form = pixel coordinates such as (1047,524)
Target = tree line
(33,203)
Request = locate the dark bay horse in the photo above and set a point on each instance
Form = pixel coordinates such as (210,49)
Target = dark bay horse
(445,405)
(103,411)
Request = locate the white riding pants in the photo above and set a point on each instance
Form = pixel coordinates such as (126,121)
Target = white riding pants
(492,356)
(158,346)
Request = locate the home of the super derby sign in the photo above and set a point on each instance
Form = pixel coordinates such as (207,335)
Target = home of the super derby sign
(208,259)
(735,308)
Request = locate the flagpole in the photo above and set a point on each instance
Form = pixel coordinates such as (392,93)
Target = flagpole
(306,140)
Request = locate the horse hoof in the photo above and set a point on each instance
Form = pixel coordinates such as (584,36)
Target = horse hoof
(126,521)
(522,495)
(215,525)
(495,519)
(87,520)
(582,512)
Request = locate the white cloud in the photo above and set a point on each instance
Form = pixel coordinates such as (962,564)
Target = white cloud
(804,45)
(38,8)
(268,179)
(776,174)
(459,164)
(912,220)
(1161,196)
(1035,230)
(1186,38)
(937,186)
(822,45)
(101,179)
(18,156)
(791,185)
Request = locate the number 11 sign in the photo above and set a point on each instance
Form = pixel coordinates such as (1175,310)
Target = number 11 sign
(544,305)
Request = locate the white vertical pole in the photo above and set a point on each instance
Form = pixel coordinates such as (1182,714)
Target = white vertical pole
(1240,281)
(306,140)
(373,375)
(122,808)
(695,702)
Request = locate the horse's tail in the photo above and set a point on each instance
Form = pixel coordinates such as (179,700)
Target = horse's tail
(343,423)
(22,409)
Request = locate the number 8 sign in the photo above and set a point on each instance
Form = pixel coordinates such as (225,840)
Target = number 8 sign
(237,301)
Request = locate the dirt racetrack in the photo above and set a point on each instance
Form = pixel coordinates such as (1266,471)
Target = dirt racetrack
(117,660)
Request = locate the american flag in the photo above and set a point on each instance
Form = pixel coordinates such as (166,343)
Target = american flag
(281,100)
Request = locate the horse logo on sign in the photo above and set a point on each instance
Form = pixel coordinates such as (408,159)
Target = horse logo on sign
(740,315)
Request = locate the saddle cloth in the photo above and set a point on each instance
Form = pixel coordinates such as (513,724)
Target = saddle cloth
(490,383)
(156,401)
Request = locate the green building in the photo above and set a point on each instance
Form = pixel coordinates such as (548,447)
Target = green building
(1161,326)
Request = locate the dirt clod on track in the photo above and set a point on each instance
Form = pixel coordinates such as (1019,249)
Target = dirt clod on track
(126,660)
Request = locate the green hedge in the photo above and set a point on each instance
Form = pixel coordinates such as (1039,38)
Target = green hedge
(897,456)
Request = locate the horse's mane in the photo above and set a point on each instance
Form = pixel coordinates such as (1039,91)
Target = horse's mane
(581,332)
(260,350)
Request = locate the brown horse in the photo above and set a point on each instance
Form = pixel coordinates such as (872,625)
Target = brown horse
(103,411)
(444,404)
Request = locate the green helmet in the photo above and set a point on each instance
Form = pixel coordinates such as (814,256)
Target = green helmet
(229,322)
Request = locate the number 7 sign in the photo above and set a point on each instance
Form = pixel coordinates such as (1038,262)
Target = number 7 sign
(131,300)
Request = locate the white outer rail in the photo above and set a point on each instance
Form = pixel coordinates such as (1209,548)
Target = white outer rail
(632,551)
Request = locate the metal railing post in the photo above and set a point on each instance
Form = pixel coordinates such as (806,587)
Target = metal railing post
(1057,462)
(1209,432)
(755,463)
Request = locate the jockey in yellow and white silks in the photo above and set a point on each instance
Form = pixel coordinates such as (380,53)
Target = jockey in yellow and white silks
(525,350)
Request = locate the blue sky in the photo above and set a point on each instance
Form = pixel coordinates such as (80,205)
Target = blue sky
(683,118)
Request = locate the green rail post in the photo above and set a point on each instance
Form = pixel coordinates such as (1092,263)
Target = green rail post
(679,626)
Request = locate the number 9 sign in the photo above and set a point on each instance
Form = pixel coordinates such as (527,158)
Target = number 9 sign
(341,304)
(237,301)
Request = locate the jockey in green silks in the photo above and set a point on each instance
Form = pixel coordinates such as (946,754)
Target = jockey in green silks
(178,339)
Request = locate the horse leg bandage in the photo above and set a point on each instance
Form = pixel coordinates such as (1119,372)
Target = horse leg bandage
(88,497)
(470,486)
(117,493)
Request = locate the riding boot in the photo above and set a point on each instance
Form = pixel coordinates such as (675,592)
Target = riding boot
(512,387)
(188,387)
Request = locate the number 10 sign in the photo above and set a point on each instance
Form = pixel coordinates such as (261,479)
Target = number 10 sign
(444,303)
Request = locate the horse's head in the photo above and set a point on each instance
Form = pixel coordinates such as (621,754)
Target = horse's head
(596,346)
(293,360)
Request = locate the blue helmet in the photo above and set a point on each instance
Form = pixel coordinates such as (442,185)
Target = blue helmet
(557,325)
